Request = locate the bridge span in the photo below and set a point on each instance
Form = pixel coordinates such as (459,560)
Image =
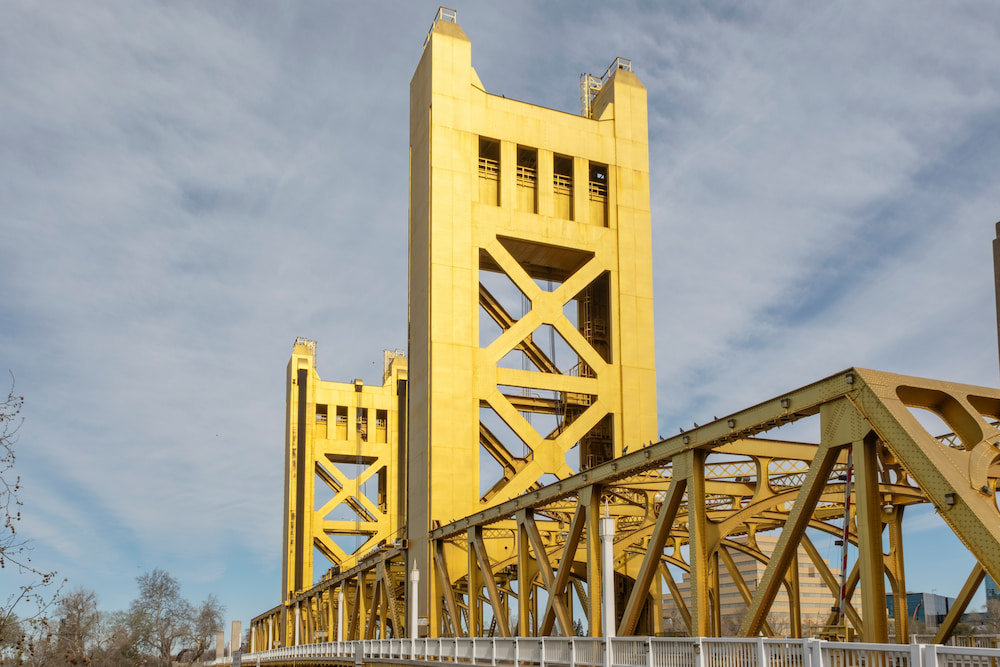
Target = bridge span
(511,460)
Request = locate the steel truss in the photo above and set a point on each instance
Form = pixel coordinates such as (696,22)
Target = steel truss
(691,502)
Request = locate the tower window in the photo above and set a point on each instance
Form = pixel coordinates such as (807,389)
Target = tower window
(363,424)
(562,186)
(527,178)
(381,425)
(598,194)
(321,421)
(341,422)
(489,171)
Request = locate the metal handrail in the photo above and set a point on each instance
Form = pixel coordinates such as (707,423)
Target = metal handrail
(444,14)
(626,652)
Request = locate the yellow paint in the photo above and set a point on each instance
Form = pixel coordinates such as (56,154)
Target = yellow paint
(348,491)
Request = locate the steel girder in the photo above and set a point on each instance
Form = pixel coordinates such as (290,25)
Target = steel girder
(692,501)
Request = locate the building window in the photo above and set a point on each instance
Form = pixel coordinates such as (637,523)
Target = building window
(527,178)
(489,171)
(321,421)
(598,194)
(363,424)
(562,186)
(341,422)
(381,425)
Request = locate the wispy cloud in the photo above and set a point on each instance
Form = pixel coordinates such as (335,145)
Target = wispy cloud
(187,188)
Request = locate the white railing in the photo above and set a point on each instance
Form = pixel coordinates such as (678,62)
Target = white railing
(627,652)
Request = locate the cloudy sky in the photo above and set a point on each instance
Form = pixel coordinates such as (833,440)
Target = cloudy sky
(186,187)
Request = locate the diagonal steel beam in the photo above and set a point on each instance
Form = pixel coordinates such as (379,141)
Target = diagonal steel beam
(527,519)
(565,568)
(829,579)
(486,572)
(449,593)
(675,592)
(961,603)
(648,568)
(500,315)
(812,488)
(741,584)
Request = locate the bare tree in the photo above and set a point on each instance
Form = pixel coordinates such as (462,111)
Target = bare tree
(28,601)
(992,622)
(206,621)
(78,620)
(167,616)
(120,637)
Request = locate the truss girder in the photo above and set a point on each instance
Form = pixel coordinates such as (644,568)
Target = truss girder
(677,504)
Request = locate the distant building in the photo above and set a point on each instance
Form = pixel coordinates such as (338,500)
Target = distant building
(816,600)
(992,592)
(927,608)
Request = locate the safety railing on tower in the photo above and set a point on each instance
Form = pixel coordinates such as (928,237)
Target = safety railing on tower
(591,85)
(443,14)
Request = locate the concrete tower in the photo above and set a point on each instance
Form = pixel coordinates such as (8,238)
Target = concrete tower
(530,286)
(342,452)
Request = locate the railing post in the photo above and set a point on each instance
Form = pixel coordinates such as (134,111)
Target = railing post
(649,652)
(761,653)
(816,652)
(928,655)
(340,613)
(493,651)
(699,655)
(414,596)
(541,652)
(517,650)
(607,528)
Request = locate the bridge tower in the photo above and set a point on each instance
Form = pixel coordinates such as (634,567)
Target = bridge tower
(342,452)
(530,289)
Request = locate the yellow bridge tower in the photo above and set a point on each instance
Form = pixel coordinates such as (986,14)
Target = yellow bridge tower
(528,409)
(530,287)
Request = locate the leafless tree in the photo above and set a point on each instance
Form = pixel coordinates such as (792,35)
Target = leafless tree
(120,637)
(992,622)
(78,623)
(166,615)
(205,622)
(29,600)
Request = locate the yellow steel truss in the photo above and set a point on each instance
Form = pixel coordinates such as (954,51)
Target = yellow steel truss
(675,506)
(556,207)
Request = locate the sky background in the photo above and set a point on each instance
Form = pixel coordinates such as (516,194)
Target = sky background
(187,187)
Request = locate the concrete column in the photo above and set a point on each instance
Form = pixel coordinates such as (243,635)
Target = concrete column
(297,619)
(237,639)
(340,614)
(414,617)
(608,575)
(220,645)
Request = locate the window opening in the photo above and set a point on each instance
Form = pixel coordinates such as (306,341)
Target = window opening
(598,194)
(341,422)
(489,171)
(562,186)
(381,425)
(321,421)
(527,177)
(363,424)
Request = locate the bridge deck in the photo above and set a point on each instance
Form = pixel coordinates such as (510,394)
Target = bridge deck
(627,652)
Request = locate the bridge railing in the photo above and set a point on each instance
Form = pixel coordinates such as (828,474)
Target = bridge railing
(627,652)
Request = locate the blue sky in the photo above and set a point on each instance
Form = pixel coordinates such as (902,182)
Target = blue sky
(186,187)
